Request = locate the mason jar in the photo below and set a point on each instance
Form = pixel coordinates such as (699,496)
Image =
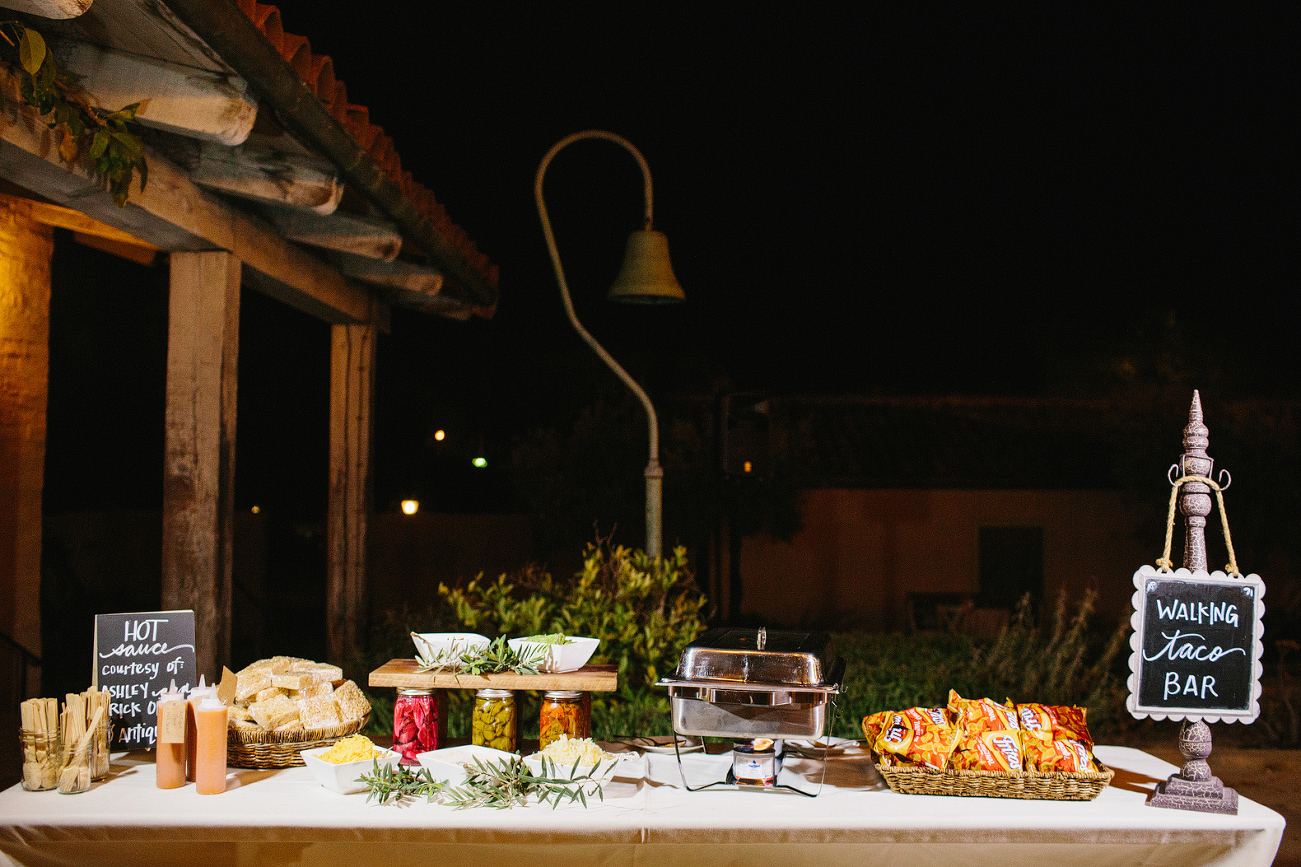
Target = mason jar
(415,724)
(562,714)
(493,724)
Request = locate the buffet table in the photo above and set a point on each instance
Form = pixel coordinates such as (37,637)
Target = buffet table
(647,817)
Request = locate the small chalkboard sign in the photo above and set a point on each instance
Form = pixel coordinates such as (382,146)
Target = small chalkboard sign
(1196,646)
(136,657)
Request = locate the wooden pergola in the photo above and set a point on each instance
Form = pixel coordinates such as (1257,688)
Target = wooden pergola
(262,174)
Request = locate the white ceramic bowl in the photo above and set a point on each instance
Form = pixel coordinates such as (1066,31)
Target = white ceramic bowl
(449,763)
(342,777)
(451,643)
(560,657)
(604,771)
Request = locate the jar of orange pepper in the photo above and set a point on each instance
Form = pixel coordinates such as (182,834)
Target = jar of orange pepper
(562,714)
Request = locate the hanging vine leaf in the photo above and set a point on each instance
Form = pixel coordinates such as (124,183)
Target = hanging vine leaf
(31,50)
(116,154)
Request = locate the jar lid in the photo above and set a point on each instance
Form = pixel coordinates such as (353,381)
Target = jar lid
(568,694)
(488,692)
(414,690)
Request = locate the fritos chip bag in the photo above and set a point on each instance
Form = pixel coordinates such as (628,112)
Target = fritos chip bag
(917,736)
(1054,722)
(1065,755)
(989,735)
(1055,738)
(873,724)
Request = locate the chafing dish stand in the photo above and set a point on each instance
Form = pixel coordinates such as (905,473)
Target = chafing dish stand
(758,688)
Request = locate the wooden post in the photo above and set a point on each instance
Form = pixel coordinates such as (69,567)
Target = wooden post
(25,251)
(352,390)
(199,452)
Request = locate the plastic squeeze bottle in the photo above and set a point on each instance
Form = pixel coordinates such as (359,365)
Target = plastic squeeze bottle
(191,731)
(210,754)
(172,708)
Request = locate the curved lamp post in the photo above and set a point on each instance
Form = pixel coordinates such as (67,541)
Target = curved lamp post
(647,278)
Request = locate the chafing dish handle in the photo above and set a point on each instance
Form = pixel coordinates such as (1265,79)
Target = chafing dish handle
(837,679)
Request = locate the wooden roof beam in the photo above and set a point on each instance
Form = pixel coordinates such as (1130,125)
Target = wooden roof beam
(263,174)
(173,214)
(48,8)
(193,102)
(346,233)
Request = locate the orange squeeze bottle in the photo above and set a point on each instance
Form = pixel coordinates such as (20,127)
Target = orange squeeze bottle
(170,746)
(197,694)
(210,753)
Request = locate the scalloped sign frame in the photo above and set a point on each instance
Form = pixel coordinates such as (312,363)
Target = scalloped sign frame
(1196,646)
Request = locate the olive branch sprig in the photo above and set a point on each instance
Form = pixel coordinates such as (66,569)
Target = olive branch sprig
(115,152)
(498,784)
(399,782)
(497,657)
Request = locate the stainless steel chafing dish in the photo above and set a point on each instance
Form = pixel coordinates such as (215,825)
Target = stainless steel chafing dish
(754,683)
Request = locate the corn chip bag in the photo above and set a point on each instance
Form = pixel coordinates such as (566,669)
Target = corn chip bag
(989,735)
(918,736)
(873,724)
(1064,755)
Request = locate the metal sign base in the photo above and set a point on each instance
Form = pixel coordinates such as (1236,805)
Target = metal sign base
(1195,788)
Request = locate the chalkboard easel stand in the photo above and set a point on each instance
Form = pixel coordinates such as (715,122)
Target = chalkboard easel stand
(1195,787)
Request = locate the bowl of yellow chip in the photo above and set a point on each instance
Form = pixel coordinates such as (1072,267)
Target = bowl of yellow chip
(339,767)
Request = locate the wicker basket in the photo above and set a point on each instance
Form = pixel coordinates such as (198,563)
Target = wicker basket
(268,750)
(1051,786)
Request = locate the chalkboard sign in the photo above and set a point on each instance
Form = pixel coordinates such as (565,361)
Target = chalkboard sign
(1196,646)
(136,657)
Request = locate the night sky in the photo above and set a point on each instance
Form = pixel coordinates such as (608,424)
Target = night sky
(901,197)
(894,199)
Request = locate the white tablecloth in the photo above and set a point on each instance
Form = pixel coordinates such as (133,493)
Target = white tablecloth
(647,817)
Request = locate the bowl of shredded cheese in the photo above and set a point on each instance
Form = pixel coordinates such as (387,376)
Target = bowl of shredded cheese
(338,767)
(568,758)
(558,652)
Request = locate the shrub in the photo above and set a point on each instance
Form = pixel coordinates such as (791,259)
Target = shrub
(892,671)
(1064,665)
(1063,662)
(644,610)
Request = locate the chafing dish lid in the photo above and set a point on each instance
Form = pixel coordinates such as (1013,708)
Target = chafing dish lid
(758,656)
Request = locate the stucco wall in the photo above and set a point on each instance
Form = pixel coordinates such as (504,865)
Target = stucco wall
(860,552)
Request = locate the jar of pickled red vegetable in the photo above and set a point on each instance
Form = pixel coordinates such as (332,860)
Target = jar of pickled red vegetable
(493,724)
(562,714)
(415,724)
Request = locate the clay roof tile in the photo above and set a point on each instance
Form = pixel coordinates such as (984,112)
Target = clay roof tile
(317,71)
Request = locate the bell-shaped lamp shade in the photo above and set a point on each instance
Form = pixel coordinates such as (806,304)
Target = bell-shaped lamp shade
(646,276)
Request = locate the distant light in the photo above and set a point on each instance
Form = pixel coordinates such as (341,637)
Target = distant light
(481,462)
(410,507)
(256,509)
(440,435)
(747,467)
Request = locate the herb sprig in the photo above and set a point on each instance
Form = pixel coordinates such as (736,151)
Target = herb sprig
(399,782)
(497,784)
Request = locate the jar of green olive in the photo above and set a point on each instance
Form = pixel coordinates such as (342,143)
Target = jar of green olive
(493,724)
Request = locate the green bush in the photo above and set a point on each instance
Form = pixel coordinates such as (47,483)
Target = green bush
(1063,662)
(644,610)
(892,671)
(1067,664)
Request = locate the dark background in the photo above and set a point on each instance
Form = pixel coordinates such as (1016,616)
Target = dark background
(899,199)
